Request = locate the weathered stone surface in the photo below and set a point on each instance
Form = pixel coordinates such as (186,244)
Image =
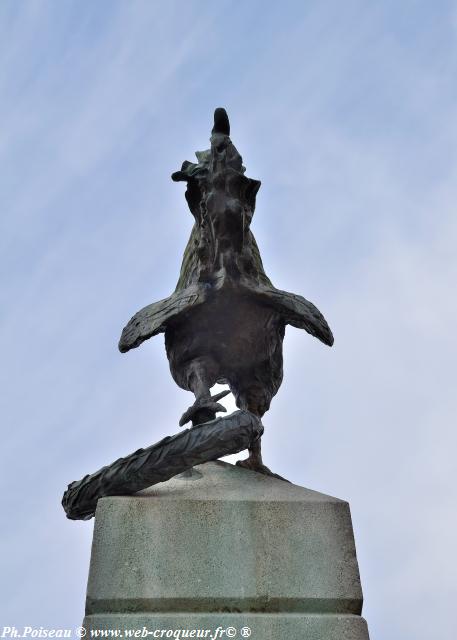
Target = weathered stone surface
(262,626)
(226,546)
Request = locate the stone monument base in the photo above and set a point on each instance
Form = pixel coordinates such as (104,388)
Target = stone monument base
(223,552)
(257,626)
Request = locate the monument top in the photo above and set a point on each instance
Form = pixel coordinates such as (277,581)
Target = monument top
(220,480)
(227,539)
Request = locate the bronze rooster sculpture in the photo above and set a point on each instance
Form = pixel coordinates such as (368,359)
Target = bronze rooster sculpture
(225,321)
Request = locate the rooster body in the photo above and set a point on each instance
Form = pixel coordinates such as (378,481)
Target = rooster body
(225,322)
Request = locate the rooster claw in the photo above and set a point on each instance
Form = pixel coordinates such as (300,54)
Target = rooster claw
(203,409)
(253,465)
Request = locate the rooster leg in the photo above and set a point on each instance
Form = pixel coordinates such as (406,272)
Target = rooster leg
(255,399)
(254,461)
(205,406)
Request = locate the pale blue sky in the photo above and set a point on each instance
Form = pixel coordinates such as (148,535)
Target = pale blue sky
(347,113)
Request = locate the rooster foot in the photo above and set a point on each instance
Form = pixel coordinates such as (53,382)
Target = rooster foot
(204,409)
(254,465)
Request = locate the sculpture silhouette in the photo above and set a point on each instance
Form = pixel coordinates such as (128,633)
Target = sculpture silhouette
(225,322)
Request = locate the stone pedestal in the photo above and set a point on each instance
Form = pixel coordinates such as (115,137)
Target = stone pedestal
(225,552)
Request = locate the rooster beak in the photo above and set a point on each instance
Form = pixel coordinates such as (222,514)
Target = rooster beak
(221,122)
